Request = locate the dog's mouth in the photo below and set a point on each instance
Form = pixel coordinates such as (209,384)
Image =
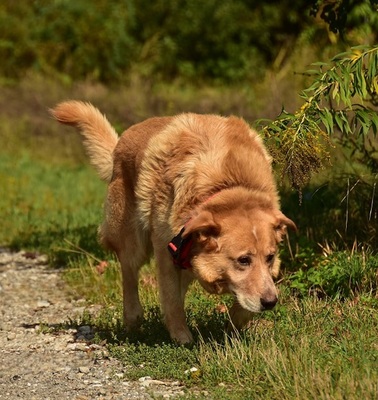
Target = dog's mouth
(252,305)
(219,286)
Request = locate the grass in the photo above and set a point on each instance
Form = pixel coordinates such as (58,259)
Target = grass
(315,345)
(307,348)
(44,205)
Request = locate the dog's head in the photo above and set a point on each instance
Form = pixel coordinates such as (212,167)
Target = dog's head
(235,251)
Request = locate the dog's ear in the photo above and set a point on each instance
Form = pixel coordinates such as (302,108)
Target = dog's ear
(203,228)
(281,225)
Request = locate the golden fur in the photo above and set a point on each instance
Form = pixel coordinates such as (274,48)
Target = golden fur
(209,174)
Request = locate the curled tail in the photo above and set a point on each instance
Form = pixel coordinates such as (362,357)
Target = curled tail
(99,136)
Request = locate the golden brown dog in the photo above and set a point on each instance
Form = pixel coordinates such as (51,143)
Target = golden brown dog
(198,192)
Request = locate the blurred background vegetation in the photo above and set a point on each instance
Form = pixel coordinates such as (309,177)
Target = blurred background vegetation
(137,58)
(199,42)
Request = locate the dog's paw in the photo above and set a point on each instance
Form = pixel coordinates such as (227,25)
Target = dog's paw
(182,336)
(133,323)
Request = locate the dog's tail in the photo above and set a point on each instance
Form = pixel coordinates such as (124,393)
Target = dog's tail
(99,136)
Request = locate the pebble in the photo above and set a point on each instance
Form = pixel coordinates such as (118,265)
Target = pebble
(191,370)
(43,303)
(144,378)
(84,333)
(11,336)
(84,329)
(84,370)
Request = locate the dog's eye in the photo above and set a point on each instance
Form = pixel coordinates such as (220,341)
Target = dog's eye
(244,261)
(270,258)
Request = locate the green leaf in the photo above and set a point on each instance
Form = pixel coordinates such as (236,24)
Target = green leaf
(365,121)
(313,72)
(339,121)
(327,120)
(362,47)
(320,64)
(346,126)
(374,123)
(335,92)
(339,56)
(375,85)
(372,69)
(361,83)
(274,128)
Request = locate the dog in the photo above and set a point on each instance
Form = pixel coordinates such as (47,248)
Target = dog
(198,193)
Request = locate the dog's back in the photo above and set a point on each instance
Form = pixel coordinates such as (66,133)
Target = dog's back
(164,166)
(194,156)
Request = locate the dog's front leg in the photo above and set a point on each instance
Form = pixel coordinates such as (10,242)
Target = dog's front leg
(171,297)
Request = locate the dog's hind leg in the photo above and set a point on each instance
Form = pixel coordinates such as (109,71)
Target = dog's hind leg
(132,308)
(131,254)
(120,233)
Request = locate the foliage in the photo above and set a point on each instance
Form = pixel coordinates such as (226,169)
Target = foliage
(337,13)
(217,40)
(77,39)
(338,274)
(339,209)
(337,101)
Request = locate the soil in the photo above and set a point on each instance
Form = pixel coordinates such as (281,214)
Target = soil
(37,362)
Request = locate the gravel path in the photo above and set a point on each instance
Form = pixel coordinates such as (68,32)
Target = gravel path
(59,365)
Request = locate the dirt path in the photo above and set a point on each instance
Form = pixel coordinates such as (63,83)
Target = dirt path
(60,365)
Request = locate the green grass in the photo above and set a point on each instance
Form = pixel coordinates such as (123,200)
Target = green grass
(43,206)
(307,349)
(319,343)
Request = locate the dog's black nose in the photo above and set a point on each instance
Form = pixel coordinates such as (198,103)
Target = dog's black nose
(268,303)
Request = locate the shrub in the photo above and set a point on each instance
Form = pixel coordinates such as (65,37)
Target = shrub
(341,100)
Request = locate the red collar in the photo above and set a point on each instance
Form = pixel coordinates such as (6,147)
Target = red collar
(180,247)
